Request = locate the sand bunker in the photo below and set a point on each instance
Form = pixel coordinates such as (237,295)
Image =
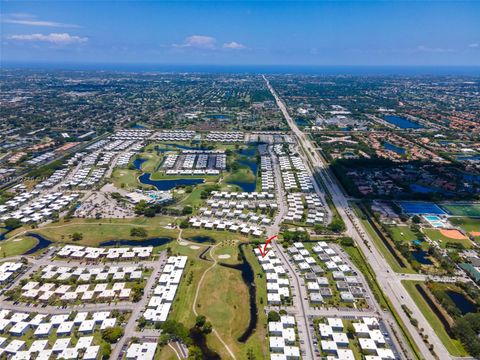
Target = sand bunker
(19,239)
(224,256)
(194,247)
(453,234)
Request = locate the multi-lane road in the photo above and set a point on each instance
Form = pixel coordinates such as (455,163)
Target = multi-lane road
(389,281)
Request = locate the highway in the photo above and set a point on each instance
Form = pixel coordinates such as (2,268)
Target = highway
(389,281)
(299,298)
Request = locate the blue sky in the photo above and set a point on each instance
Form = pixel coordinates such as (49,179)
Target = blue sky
(243,33)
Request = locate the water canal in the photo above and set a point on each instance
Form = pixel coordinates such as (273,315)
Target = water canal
(248,277)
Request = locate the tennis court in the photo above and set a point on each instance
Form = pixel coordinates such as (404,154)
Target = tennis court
(419,208)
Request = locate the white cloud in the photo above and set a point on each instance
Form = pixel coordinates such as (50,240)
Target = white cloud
(474,45)
(234,45)
(436,50)
(199,42)
(34,22)
(52,38)
(31,20)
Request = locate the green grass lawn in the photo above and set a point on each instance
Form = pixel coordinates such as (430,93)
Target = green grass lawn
(463,210)
(95,231)
(223,299)
(17,246)
(402,233)
(218,236)
(165,353)
(434,234)
(382,248)
(152,161)
(243,175)
(125,178)
(454,347)
(467,224)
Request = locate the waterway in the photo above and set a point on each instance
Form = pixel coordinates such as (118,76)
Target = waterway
(41,244)
(434,309)
(3,233)
(199,339)
(248,277)
(401,122)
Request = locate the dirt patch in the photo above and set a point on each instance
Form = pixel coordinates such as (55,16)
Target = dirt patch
(475,233)
(453,234)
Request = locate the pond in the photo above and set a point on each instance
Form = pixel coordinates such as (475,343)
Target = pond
(219,117)
(421,256)
(41,244)
(248,159)
(461,302)
(168,184)
(187,147)
(301,122)
(158,241)
(201,239)
(401,122)
(389,146)
(137,163)
(248,276)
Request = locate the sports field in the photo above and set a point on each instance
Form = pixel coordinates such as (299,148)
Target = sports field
(470,225)
(443,237)
(463,209)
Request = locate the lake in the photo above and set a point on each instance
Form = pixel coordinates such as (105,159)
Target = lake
(394,148)
(401,122)
(159,241)
(249,160)
(168,184)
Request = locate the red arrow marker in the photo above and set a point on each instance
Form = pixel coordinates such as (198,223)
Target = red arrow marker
(264,251)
